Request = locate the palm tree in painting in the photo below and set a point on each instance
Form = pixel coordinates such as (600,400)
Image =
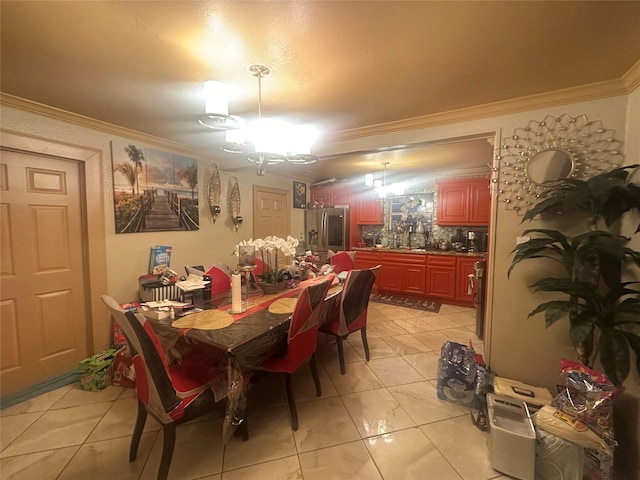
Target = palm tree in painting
(189,175)
(136,155)
(129,172)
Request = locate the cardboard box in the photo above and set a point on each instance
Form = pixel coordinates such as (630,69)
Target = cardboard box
(159,259)
(96,371)
(534,397)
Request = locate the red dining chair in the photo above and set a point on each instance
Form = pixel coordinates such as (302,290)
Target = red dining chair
(349,313)
(220,278)
(301,343)
(342,261)
(261,267)
(172,394)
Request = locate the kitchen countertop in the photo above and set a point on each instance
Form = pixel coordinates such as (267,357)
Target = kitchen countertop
(419,251)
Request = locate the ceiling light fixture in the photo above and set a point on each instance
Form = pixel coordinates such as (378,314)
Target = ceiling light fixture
(216,107)
(265,141)
(380,185)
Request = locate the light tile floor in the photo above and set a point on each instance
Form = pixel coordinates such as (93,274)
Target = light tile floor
(382,420)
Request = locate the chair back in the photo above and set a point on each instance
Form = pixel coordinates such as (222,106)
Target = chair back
(303,330)
(342,261)
(220,278)
(153,383)
(354,302)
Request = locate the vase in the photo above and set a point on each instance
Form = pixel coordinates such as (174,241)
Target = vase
(270,288)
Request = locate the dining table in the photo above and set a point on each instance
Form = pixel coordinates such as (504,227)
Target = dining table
(241,340)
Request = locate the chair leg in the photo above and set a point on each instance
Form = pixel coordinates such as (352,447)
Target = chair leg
(341,354)
(291,402)
(314,373)
(137,431)
(363,332)
(244,427)
(168,442)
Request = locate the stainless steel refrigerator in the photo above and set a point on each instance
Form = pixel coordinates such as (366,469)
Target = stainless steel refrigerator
(327,229)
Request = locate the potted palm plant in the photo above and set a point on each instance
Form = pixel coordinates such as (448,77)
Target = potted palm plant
(603,308)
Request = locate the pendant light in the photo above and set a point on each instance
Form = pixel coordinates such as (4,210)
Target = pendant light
(265,141)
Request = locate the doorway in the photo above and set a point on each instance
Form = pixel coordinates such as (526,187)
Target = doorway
(43,328)
(270,212)
(271,215)
(51,277)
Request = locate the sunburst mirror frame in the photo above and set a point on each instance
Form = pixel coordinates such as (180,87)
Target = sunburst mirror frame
(591,148)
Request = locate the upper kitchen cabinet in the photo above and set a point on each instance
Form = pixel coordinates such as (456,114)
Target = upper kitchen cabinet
(464,201)
(330,195)
(368,208)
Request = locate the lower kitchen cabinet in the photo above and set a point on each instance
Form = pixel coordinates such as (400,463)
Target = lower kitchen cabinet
(441,277)
(368,259)
(404,273)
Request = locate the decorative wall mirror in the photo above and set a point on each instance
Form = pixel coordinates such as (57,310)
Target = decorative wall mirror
(544,153)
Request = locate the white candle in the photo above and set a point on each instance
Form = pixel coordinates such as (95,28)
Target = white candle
(236,293)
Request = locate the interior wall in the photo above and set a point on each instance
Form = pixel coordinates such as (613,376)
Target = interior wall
(128,254)
(516,347)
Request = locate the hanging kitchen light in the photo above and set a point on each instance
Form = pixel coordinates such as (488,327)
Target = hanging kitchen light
(380,185)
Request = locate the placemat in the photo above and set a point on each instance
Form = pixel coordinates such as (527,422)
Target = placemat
(205,320)
(334,289)
(283,305)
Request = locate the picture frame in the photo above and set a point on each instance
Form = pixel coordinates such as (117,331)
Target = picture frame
(153,190)
(299,195)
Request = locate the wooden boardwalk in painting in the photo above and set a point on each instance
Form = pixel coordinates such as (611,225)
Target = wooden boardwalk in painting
(161,217)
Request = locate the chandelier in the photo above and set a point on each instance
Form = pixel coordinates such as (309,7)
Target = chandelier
(264,141)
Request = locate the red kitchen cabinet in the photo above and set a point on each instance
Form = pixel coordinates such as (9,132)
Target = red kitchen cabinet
(368,209)
(480,202)
(340,195)
(320,195)
(441,277)
(330,195)
(464,202)
(403,273)
(464,267)
(391,277)
(414,279)
(367,259)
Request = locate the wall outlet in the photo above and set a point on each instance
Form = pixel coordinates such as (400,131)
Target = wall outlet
(520,240)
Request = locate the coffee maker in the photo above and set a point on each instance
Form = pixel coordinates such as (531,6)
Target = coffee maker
(472,243)
(477,241)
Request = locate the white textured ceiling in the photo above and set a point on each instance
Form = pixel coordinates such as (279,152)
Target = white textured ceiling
(341,66)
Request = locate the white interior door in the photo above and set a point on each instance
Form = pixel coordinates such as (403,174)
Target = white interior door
(271,214)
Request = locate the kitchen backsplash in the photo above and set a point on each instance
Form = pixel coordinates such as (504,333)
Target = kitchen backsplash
(434,237)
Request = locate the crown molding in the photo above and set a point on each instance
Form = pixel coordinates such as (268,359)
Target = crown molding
(625,85)
(631,79)
(582,93)
(80,120)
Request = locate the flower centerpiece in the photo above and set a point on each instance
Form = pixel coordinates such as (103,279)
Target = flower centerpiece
(268,249)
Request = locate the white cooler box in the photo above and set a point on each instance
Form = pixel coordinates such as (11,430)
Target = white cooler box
(512,438)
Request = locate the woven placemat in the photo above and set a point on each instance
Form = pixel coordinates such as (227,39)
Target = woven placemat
(283,305)
(205,320)
(334,289)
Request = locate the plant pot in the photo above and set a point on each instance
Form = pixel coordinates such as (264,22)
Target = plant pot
(270,288)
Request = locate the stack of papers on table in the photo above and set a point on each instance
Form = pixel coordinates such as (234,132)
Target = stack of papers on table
(193,282)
